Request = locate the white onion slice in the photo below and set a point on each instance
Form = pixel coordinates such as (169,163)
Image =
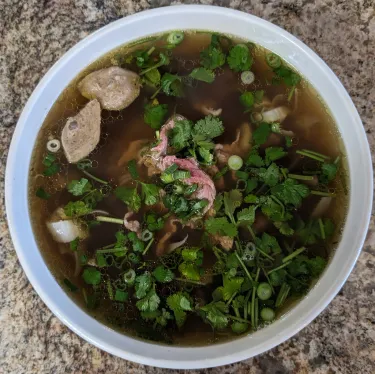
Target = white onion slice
(176,245)
(66,231)
(275,115)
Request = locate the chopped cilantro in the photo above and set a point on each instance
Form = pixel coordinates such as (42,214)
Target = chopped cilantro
(220,226)
(212,57)
(261,133)
(150,193)
(129,196)
(203,74)
(179,303)
(180,135)
(239,58)
(163,275)
(172,85)
(190,271)
(76,209)
(149,303)
(274,153)
(290,192)
(143,284)
(210,127)
(74,244)
(215,313)
(268,244)
(247,100)
(91,276)
(79,187)
(155,115)
(42,194)
(121,296)
(132,167)
(247,215)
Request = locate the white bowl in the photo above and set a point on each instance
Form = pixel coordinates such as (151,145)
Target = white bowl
(132,28)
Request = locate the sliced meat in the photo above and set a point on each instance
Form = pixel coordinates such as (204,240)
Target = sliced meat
(170,228)
(81,134)
(132,225)
(115,88)
(161,148)
(206,188)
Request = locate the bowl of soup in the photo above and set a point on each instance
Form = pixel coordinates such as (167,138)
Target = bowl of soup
(188,187)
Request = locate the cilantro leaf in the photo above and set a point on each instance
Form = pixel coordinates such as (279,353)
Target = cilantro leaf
(271,175)
(290,192)
(42,194)
(215,314)
(143,284)
(239,58)
(121,296)
(210,127)
(274,153)
(193,254)
(231,285)
(220,226)
(268,244)
(150,193)
(74,244)
(153,222)
(155,115)
(179,304)
(275,211)
(316,265)
(203,74)
(129,196)
(232,201)
(261,133)
(76,208)
(163,275)
(180,135)
(284,228)
(91,276)
(190,271)
(138,244)
(329,172)
(78,188)
(172,85)
(212,57)
(289,77)
(247,215)
(254,159)
(149,303)
(247,99)
(153,77)
(132,167)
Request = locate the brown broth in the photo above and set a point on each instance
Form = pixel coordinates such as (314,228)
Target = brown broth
(120,129)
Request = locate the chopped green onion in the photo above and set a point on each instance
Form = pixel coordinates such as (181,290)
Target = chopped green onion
(273,60)
(283,294)
(175,37)
(134,258)
(293,254)
(322,193)
(316,154)
(235,162)
(310,155)
(321,227)
(264,291)
(171,169)
(181,174)
(146,235)
(129,277)
(267,314)
(148,246)
(190,189)
(241,185)
(247,77)
(109,219)
(301,177)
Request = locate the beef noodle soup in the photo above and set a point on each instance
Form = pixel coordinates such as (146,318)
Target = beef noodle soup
(188,188)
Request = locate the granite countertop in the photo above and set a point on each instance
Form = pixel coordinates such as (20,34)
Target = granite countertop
(34,34)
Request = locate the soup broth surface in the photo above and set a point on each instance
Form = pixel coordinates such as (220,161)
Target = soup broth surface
(308,126)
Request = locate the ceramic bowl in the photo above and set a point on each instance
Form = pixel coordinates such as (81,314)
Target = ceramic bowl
(158,21)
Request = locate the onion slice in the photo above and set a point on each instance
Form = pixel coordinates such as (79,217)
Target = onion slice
(174,246)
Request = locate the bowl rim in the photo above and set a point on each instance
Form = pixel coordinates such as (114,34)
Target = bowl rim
(186,357)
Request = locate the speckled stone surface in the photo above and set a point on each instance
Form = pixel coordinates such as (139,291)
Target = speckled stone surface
(33,35)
